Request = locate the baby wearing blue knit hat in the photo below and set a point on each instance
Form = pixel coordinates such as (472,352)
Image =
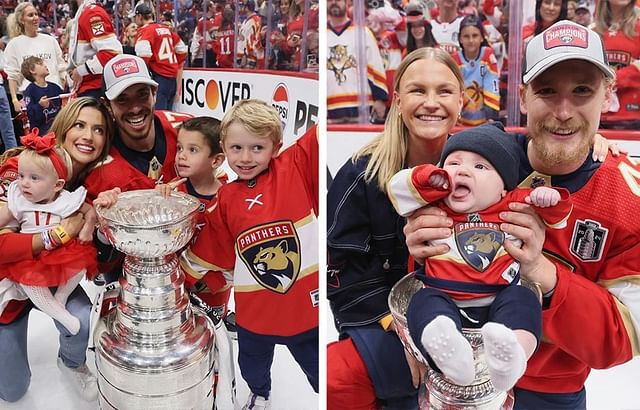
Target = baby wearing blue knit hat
(476,284)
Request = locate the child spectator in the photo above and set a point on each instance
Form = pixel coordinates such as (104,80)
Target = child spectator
(478,65)
(42,97)
(37,202)
(262,235)
(198,158)
(476,284)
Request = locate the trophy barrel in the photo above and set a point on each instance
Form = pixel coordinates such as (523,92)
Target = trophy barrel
(153,351)
(440,393)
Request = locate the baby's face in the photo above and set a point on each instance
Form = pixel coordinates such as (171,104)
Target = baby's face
(476,185)
(37,185)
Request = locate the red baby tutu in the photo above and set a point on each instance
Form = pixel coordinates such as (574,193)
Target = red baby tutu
(53,268)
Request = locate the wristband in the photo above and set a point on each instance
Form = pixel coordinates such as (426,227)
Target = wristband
(47,241)
(62,234)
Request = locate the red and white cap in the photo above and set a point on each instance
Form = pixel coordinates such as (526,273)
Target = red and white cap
(565,40)
(123,71)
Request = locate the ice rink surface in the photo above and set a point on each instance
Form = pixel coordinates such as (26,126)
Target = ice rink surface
(48,391)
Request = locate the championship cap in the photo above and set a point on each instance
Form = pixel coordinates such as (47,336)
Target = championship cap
(565,40)
(413,12)
(141,8)
(122,71)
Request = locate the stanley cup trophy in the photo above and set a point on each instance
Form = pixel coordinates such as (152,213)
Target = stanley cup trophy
(440,393)
(153,351)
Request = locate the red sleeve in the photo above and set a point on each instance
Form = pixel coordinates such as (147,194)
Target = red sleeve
(553,216)
(577,301)
(307,162)
(628,77)
(15,247)
(488,7)
(420,180)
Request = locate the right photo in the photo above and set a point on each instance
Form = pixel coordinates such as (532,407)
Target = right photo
(482,180)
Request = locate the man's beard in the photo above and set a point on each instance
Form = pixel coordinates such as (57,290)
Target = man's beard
(336,11)
(553,153)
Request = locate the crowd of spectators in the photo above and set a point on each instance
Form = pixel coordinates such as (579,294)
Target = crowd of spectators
(400,26)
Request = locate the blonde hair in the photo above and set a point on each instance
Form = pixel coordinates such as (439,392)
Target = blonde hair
(65,120)
(43,161)
(127,39)
(258,117)
(629,19)
(15,26)
(389,149)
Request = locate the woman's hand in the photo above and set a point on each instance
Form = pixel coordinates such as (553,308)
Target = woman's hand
(73,224)
(601,146)
(523,223)
(425,225)
(107,199)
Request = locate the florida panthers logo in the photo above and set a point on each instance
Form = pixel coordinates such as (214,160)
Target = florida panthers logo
(272,254)
(339,61)
(478,245)
(473,97)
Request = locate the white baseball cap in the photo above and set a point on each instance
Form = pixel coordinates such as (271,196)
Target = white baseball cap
(122,71)
(565,40)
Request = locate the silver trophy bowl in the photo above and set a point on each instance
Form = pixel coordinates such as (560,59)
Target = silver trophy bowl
(440,393)
(146,225)
(153,350)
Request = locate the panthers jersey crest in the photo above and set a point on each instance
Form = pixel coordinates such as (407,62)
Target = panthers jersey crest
(339,61)
(271,252)
(478,243)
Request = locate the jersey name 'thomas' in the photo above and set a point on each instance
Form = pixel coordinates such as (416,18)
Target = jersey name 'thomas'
(264,237)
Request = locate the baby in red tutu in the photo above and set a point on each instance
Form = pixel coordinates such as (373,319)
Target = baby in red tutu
(37,202)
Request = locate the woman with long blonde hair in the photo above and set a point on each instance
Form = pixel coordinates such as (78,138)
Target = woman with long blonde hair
(365,247)
(25,42)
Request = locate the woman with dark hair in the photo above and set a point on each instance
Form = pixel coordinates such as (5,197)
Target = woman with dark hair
(419,35)
(478,65)
(548,12)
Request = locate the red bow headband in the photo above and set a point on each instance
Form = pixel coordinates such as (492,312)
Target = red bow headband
(45,146)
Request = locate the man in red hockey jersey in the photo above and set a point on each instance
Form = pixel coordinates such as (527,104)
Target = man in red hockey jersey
(588,271)
(92,42)
(163,51)
(144,145)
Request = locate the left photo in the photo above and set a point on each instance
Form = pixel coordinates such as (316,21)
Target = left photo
(159,203)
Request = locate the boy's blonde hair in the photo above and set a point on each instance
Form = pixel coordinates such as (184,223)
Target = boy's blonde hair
(258,117)
(43,161)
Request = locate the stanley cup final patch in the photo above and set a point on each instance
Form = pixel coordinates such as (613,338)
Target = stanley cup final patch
(588,240)
(271,252)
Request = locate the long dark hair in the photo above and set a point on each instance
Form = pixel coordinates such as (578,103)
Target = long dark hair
(563,15)
(429,39)
(473,21)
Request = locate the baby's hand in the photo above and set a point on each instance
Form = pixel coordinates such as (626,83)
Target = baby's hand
(107,199)
(543,197)
(439,181)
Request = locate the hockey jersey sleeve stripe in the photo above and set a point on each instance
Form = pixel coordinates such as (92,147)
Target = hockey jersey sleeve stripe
(143,49)
(403,195)
(627,297)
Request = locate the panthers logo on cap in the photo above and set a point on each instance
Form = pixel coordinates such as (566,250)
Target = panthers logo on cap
(271,252)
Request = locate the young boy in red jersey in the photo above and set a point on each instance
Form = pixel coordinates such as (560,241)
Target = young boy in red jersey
(198,158)
(476,283)
(263,236)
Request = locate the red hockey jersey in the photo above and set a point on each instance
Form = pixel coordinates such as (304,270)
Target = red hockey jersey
(223,47)
(621,51)
(476,253)
(264,237)
(92,43)
(595,306)
(161,48)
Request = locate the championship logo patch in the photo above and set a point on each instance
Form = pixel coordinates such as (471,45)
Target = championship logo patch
(271,252)
(478,243)
(5,180)
(587,242)
(125,66)
(566,35)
